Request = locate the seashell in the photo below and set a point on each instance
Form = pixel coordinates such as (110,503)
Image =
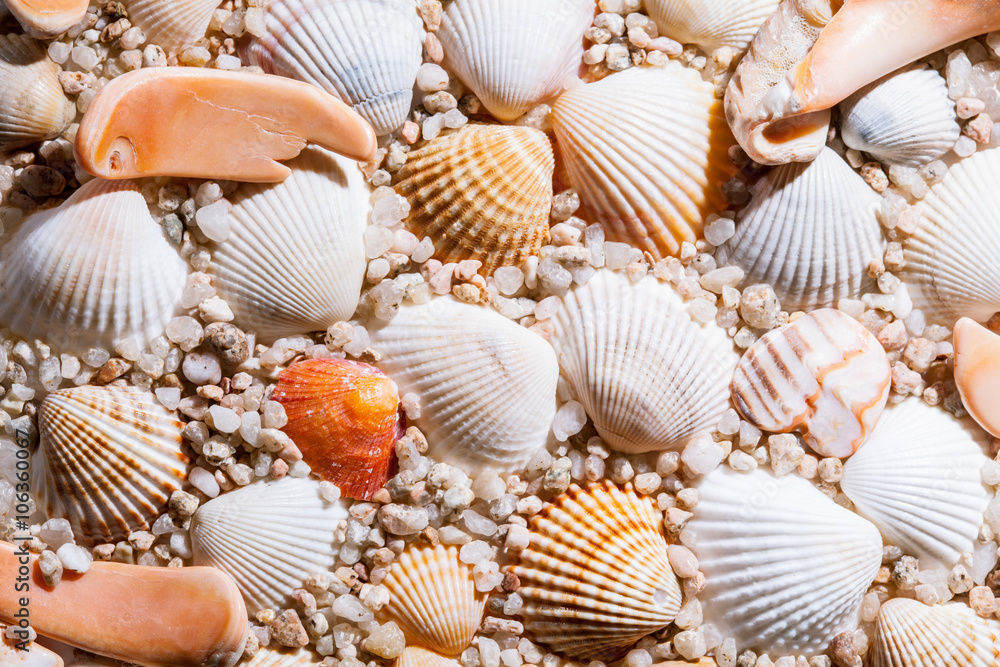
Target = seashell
(909,633)
(294,261)
(482,193)
(268,656)
(269,537)
(33,106)
(514,54)
(486,385)
(35,656)
(649,376)
(414,656)
(918,479)
(785,566)
(809,231)
(110,458)
(44,19)
(434,599)
(977,371)
(824,374)
(344,417)
(173,25)
(212,123)
(646,151)
(904,118)
(91,271)
(595,578)
(713,24)
(366,52)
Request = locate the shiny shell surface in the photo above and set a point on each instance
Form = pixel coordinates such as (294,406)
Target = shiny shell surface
(711,24)
(909,633)
(977,372)
(174,25)
(33,106)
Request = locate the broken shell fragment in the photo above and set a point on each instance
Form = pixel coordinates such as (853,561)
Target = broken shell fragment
(977,372)
(34,655)
(44,19)
(33,106)
(909,633)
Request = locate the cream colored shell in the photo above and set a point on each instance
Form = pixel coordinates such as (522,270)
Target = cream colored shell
(172,25)
(33,106)
(711,24)
(911,634)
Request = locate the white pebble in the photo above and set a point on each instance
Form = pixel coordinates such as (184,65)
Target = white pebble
(169,397)
(204,481)
(431,78)
(74,558)
(213,221)
(568,421)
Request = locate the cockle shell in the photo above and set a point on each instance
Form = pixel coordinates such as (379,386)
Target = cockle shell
(649,376)
(172,25)
(909,633)
(711,24)
(809,231)
(91,271)
(823,374)
(483,193)
(486,385)
(786,567)
(414,656)
(344,417)
(366,52)
(294,261)
(434,599)
(110,458)
(595,578)
(33,106)
(269,537)
(646,151)
(977,372)
(44,19)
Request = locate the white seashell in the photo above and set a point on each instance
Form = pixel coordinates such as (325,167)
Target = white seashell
(809,231)
(823,374)
(785,566)
(268,656)
(514,54)
(366,52)
(33,106)
(269,537)
(911,634)
(918,479)
(649,376)
(294,261)
(171,25)
(711,24)
(905,118)
(414,656)
(91,271)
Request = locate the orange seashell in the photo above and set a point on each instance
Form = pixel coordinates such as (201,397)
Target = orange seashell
(344,417)
(43,19)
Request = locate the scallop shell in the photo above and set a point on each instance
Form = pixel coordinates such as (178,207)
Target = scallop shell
(648,376)
(514,54)
(434,599)
(824,374)
(713,23)
(366,52)
(110,458)
(267,656)
(33,106)
(482,193)
(486,385)
(911,634)
(294,261)
(977,372)
(414,656)
(596,578)
(786,567)
(91,271)
(269,537)
(809,231)
(646,151)
(918,479)
(905,118)
(172,25)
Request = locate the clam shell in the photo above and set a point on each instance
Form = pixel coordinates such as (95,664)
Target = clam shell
(904,118)
(809,231)
(366,52)
(646,151)
(434,599)
(711,24)
(911,634)
(786,567)
(171,25)
(294,261)
(918,479)
(33,106)
(269,537)
(977,372)
(414,656)
(110,458)
(486,385)
(482,193)
(596,578)
(824,374)
(649,376)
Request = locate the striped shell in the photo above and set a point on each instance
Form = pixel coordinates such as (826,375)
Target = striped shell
(911,634)
(824,374)
(711,24)
(171,25)
(414,656)
(646,151)
(483,192)
(977,372)
(595,578)
(33,106)
(268,656)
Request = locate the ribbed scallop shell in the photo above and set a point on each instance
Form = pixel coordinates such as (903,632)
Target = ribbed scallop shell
(911,634)
(171,25)
(904,118)
(710,24)
(414,656)
(366,52)
(918,479)
(294,261)
(268,656)
(110,458)
(434,599)
(33,106)
(269,537)
(649,376)
(486,385)
(482,193)
(596,577)
(809,231)
(785,566)
(646,151)
(90,272)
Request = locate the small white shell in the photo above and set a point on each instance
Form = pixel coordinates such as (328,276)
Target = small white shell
(710,24)
(414,656)
(270,656)
(171,25)
(911,634)
(33,106)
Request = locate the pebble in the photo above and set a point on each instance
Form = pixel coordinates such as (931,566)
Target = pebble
(214,309)
(228,341)
(40,181)
(213,221)
(55,533)
(759,307)
(51,567)
(287,629)
(431,78)
(683,561)
(720,230)
(478,525)
(185,331)
(982,601)
(843,650)
(701,456)
(204,481)
(690,644)
(403,519)
(74,558)
(569,419)
(202,367)
(386,641)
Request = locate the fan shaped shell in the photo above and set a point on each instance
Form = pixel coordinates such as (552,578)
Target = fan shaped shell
(33,106)
(267,656)
(172,25)
(711,24)
(911,634)
(414,656)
